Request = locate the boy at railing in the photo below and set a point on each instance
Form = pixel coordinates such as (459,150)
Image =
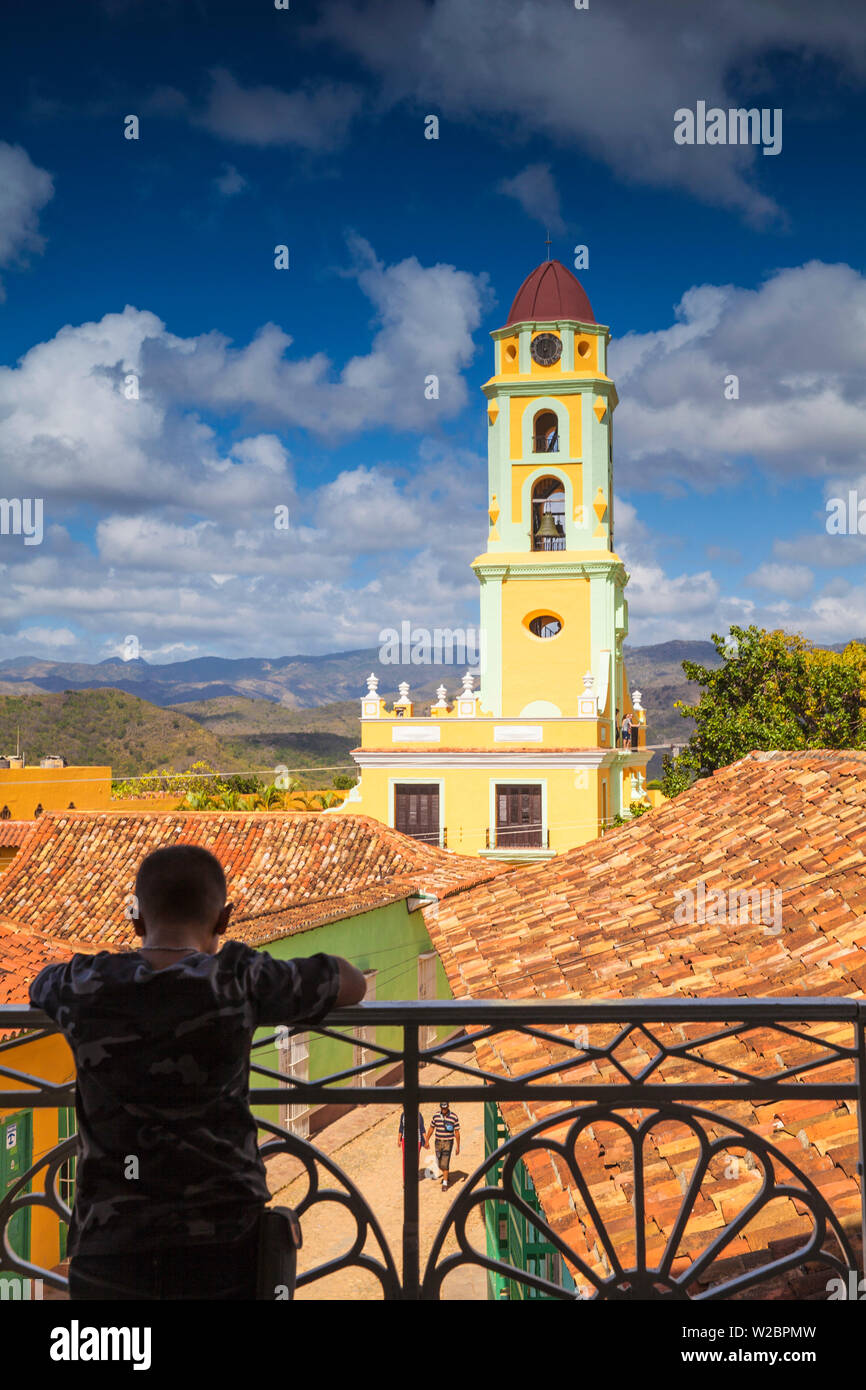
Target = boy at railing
(170,1185)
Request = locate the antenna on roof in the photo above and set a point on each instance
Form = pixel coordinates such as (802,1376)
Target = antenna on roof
(548,243)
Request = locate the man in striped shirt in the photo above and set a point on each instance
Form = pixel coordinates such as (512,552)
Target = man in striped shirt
(446,1126)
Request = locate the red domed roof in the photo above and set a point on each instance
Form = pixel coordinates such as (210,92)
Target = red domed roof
(550,292)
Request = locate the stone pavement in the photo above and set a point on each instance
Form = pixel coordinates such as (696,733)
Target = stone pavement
(364,1144)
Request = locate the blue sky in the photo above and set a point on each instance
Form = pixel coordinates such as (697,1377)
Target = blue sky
(304,388)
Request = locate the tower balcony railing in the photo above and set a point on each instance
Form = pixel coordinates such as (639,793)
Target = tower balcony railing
(545,443)
(618,1083)
(548,542)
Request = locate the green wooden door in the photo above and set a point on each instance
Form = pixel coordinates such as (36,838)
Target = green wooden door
(16,1156)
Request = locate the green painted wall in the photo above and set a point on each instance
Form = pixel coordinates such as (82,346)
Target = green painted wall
(388,940)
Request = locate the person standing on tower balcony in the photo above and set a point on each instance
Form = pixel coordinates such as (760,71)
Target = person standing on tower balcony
(626,731)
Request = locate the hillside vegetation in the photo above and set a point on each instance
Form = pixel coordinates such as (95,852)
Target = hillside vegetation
(134,737)
(105,726)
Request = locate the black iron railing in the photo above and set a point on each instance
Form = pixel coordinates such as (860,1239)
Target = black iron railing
(638,1069)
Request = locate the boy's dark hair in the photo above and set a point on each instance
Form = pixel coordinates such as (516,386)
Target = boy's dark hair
(181,883)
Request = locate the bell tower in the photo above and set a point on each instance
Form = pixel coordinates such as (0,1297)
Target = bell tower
(542,757)
(553,607)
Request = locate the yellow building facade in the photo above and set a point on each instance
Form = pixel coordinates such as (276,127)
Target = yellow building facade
(535,761)
(26,791)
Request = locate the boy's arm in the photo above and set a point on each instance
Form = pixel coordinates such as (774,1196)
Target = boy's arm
(45,989)
(353,985)
(306,988)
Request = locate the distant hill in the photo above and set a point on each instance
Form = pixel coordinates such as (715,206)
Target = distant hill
(294,682)
(240,714)
(133,736)
(105,726)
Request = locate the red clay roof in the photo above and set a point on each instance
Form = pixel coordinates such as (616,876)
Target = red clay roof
(551,292)
(598,923)
(257,928)
(15,832)
(22,956)
(72,875)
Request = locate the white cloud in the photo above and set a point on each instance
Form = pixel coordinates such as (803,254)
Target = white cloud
(365,509)
(24,191)
(801,407)
(69,433)
(536,192)
(606,81)
(230,181)
(427,316)
(790,581)
(51,637)
(314,118)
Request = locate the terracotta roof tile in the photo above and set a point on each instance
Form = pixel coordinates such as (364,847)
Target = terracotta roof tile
(15,832)
(599,923)
(73,873)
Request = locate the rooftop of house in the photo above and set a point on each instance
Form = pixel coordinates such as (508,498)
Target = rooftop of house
(22,956)
(15,832)
(614,919)
(73,874)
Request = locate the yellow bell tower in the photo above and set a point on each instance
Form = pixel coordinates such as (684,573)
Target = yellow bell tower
(552,588)
(534,762)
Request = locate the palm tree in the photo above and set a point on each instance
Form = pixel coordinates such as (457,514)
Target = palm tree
(328,799)
(271,796)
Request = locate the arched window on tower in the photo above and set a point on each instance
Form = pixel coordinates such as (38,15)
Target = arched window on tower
(545,433)
(548,515)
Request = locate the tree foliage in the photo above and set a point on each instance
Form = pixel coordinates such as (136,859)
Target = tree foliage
(773,690)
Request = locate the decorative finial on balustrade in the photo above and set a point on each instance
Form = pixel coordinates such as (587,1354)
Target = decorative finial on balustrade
(372,683)
(636,700)
(403,688)
(441,693)
(588,681)
(467,683)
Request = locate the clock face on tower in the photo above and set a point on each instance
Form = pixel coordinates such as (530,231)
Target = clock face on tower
(546,349)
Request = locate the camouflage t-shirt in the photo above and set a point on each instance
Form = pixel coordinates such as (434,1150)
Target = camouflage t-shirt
(169,1155)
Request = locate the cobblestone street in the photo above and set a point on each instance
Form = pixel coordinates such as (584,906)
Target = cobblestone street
(364,1144)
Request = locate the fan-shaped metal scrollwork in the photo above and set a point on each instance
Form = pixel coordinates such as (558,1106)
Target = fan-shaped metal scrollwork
(347,1196)
(17,1199)
(671,1275)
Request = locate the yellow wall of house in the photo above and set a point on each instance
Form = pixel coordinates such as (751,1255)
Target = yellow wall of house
(539,668)
(51,1059)
(22,789)
(573,801)
(173,802)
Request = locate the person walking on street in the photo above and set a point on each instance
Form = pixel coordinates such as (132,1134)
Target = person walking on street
(401,1137)
(446,1126)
